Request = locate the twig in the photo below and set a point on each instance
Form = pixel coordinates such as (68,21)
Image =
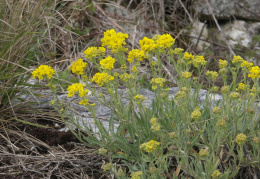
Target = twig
(186,11)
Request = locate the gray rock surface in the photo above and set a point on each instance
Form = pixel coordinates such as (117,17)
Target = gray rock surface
(84,117)
(224,9)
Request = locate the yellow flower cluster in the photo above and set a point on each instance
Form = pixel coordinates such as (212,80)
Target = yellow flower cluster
(240,138)
(165,41)
(234,95)
(147,45)
(107,63)
(150,146)
(78,67)
(139,99)
(102,78)
(126,77)
(77,87)
(92,52)
(135,54)
(198,61)
(102,151)
(222,63)
(156,127)
(224,89)
(216,110)
(134,69)
(157,82)
(188,56)
(136,175)
(212,75)
(221,122)
(153,120)
(256,140)
(237,60)
(114,41)
(43,71)
(84,102)
(216,174)
(242,87)
(186,74)
(178,51)
(172,135)
(181,94)
(246,64)
(203,152)
(254,72)
(196,114)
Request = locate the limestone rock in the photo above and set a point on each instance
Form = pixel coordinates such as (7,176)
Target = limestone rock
(224,9)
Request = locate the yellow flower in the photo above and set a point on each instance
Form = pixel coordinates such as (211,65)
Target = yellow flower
(157,82)
(114,41)
(52,101)
(147,45)
(153,120)
(139,98)
(216,110)
(136,175)
(203,152)
(224,89)
(196,114)
(78,67)
(92,52)
(198,61)
(216,174)
(254,72)
(156,127)
(186,74)
(172,135)
(126,77)
(222,63)
(177,51)
(150,146)
(134,69)
(246,65)
(181,94)
(107,63)
(164,41)
(221,122)
(188,56)
(84,102)
(240,138)
(212,75)
(234,95)
(242,87)
(77,87)
(43,71)
(135,54)
(102,78)
(237,60)
(214,88)
(256,140)
(102,151)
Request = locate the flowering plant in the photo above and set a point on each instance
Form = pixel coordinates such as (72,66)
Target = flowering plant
(195,134)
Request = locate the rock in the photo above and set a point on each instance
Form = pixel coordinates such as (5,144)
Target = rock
(199,30)
(236,34)
(225,9)
(103,113)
